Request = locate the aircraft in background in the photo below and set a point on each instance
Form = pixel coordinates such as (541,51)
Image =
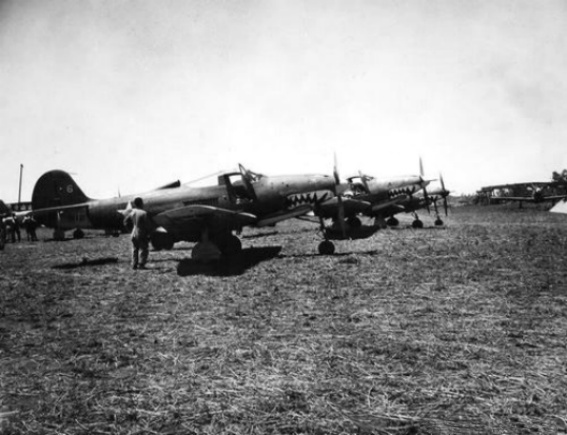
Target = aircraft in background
(538,196)
(19,210)
(365,195)
(4,209)
(424,200)
(184,213)
(534,192)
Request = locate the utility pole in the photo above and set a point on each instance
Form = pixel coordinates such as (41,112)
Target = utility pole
(20,189)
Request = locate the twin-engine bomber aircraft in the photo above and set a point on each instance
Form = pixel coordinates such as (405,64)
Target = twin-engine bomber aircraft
(180,212)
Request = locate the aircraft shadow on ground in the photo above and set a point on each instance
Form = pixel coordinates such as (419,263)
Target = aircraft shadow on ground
(236,265)
(370,253)
(86,262)
(362,232)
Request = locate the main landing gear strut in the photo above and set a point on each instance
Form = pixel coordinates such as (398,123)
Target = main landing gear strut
(326,247)
(417,223)
(438,221)
(209,249)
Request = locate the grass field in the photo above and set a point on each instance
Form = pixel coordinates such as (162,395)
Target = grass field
(454,330)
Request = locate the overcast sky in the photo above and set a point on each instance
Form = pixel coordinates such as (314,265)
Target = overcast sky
(129,95)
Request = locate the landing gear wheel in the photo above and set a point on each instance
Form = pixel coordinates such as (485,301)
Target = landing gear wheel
(438,222)
(78,234)
(326,247)
(393,222)
(417,224)
(162,241)
(354,222)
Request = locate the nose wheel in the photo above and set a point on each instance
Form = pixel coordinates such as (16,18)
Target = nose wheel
(417,223)
(393,222)
(326,247)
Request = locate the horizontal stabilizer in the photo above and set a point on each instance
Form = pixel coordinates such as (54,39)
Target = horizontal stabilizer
(281,216)
(59,208)
(351,205)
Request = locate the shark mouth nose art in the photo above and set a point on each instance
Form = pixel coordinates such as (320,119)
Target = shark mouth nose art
(296,200)
(392,193)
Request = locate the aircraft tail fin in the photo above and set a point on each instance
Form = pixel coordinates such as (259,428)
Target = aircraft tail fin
(4,209)
(56,188)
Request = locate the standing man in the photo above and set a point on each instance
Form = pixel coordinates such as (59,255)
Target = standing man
(17,234)
(141,229)
(30,225)
(2,233)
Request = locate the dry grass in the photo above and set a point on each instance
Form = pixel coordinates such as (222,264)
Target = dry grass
(459,330)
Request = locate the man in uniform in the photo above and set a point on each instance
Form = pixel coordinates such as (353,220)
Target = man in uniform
(141,229)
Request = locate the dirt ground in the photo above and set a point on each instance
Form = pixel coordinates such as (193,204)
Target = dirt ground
(452,330)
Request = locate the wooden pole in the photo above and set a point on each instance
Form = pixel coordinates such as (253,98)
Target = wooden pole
(20,188)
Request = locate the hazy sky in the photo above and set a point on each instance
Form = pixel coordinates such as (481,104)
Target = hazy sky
(129,95)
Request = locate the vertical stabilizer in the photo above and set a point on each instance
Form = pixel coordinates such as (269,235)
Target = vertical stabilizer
(56,188)
(4,209)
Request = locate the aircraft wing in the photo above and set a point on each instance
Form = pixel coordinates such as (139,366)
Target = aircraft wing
(183,215)
(283,215)
(391,202)
(528,198)
(554,198)
(351,205)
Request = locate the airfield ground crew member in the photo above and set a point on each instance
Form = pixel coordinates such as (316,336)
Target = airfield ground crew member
(16,229)
(2,233)
(141,229)
(30,224)
(9,228)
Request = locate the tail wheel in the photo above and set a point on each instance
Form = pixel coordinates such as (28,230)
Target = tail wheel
(78,234)
(326,247)
(438,222)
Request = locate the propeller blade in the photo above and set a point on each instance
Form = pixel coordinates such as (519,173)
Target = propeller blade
(339,193)
(426,196)
(444,193)
(336,171)
(342,222)
(423,184)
